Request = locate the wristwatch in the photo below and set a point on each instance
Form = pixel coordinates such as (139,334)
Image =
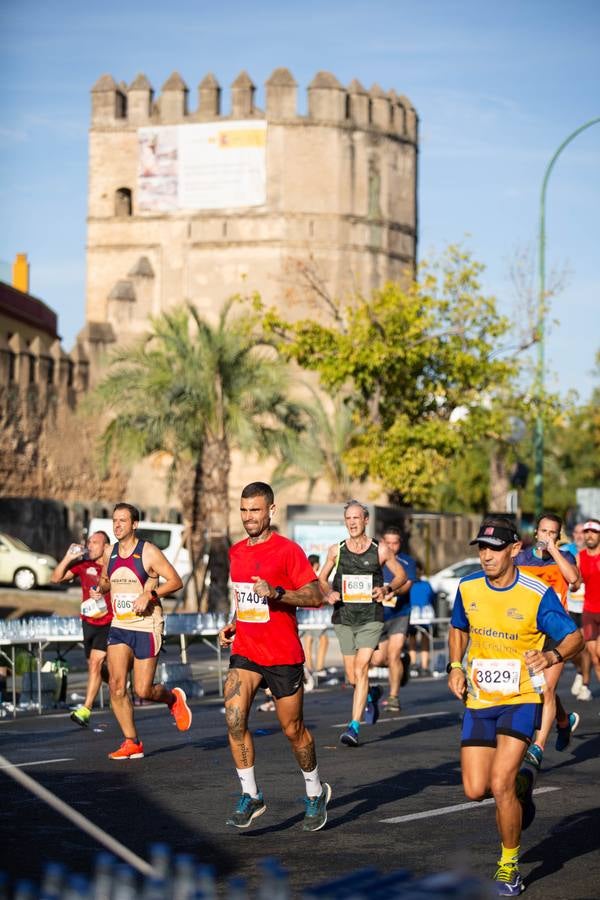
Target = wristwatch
(279,592)
(453,665)
(154,596)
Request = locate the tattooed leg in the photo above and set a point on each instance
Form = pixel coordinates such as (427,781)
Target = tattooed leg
(289,711)
(239,690)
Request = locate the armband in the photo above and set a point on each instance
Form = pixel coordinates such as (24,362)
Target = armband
(558,655)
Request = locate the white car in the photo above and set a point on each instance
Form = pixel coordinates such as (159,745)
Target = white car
(446,580)
(23,567)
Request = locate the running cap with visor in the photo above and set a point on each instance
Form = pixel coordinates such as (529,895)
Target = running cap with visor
(591,526)
(495,536)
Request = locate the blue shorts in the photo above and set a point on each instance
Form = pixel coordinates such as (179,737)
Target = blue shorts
(518,720)
(145,644)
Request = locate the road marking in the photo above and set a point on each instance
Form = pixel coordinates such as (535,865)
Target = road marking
(446,810)
(405,718)
(39,762)
(80,821)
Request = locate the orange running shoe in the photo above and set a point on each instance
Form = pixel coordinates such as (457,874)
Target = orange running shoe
(180,710)
(128,750)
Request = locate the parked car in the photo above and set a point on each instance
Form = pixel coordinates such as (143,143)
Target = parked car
(446,580)
(22,566)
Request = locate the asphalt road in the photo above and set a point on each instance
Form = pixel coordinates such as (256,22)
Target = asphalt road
(397,799)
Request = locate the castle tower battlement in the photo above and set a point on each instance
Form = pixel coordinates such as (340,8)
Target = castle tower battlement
(328,101)
(202,203)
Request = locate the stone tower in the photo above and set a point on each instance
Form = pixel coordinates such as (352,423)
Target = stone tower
(199,205)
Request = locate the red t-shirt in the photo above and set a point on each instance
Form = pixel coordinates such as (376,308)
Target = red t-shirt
(589,566)
(267,631)
(88,573)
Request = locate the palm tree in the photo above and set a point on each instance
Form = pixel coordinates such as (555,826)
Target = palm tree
(196,391)
(316,451)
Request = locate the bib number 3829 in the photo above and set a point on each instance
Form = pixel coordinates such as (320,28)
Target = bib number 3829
(496,676)
(250,607)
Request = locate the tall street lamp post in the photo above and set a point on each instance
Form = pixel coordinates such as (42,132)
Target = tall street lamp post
(538,482)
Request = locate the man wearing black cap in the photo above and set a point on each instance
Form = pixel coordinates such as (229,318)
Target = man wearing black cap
(505,616)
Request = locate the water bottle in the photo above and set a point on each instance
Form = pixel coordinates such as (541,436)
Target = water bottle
(274,881)
(103,875)
(78,888)
(184,877)
(160,859)
(538,679)
(52,880)
(237,888)
(540,546)
(124,883)
(206,884)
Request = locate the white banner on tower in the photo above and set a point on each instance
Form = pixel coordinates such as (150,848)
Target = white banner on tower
(215,165)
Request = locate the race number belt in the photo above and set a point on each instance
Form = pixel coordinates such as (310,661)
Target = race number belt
(493,679)
(94,609)
(250,607)
(357,588)
(123,606)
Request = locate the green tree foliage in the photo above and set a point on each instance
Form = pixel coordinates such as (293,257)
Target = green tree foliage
(421,363)
(195,391)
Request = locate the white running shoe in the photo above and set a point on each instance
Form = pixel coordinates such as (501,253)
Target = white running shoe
(577,684)
(584,693)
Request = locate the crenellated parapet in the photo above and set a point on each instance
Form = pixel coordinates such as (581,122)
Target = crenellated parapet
(114,105)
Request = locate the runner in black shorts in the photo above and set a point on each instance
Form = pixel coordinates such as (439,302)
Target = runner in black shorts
(85,563)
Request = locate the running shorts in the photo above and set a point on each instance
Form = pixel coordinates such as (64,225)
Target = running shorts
(396,625)
(591,625)
(357,637)
(518,720)
(94,637)
(282,681)
(145,644)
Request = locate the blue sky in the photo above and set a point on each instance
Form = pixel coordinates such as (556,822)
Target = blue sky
(497,86)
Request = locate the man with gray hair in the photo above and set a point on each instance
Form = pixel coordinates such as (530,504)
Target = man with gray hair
(356,593)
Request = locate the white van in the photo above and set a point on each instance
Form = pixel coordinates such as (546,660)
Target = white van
(167,536)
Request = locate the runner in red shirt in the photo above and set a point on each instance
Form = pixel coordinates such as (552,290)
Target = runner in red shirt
(589,565)
(271,576)
(85,563)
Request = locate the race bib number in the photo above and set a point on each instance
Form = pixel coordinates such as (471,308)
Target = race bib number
(94,609)
(390,600)
(123,606)
(494,678)
(357,588)
(250,607)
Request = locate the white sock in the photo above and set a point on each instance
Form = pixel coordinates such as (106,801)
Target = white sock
(248,781)
(314,788)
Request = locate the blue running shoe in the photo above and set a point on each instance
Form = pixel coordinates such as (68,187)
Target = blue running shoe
(563,736)
(372,707)
(534,756)
(316,810)
(248,808)
(349,737)
(509,882)
(524,788)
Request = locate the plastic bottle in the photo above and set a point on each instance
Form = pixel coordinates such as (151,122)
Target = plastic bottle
(77,888)
(538,679)
(274,882)
(124,883)
(160,859)
(206,884)
(103,876)
(184,877)
(53,878)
